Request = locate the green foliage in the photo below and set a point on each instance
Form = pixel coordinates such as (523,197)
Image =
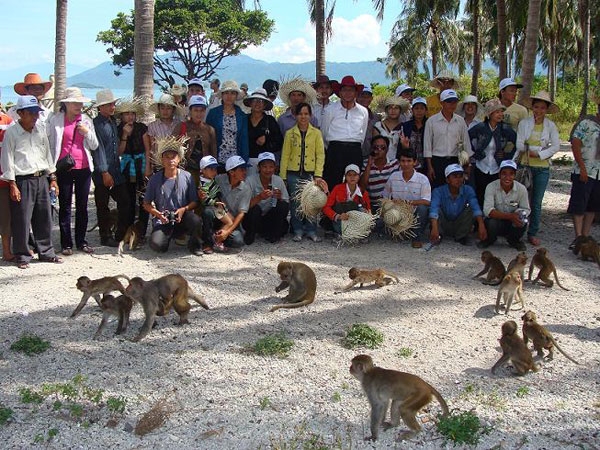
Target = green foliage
(5,414)
(522,391)
(30,396)
(336,397)
(40,438)
(363,335)
(463,428)
(116,405)
(405,352)
(273,345)
(30,344)
(264,403)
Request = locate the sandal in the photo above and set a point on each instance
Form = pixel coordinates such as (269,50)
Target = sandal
(23,265)
(55,259)
(86,249)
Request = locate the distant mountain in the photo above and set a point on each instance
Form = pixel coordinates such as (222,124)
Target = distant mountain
(11,76)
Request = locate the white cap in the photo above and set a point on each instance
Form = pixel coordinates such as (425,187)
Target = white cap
(266,156)
(196,81)
(233,162)
(509,82)
(197,100)
(208,161)
(28,102)
(367,90)
(448,94)
(351,168)
(453,168)
(418,100)
(508,163)
(402,88)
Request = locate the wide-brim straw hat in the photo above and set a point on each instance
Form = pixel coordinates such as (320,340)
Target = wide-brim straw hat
(357,227)
(169,144)
(397,101)
(445,74)
(135,105)
(167,99)
(300,85)
(460,109)
(398,217)
(310,198)
(29,80)
(230,86)
(74,95)
(178,90)
(493,105)
(259,94)
(544,96)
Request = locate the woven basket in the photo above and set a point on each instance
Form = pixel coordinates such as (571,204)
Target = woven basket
(357,227)
(310,198)
(399,218)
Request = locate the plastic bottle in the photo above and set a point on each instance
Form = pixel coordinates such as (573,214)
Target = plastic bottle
(53,198)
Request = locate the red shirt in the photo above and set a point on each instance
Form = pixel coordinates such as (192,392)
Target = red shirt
(5,122)
(339,194)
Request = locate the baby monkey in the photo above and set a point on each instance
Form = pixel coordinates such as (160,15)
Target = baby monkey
(547,268)
(493,267)
(361,276)
(540,336)
(115,306)
(408,394)
(132,238)
(93,288)
(302,284)
(515,350)
(511,287)
(588,247)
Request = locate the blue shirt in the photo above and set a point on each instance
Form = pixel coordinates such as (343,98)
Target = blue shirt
(170,194)
(452,207)
(106,157)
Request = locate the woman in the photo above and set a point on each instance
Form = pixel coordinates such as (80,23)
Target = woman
(412,133)
(470,110)
(492,142)
(264,134)
(230,124)
(72,133)
(302,158)
(537,141)
(134,144)
(391,127)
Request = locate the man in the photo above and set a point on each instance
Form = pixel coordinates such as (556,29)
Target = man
(272,89)
(195,87)
(444,136)
(406,92)
(584,202)
(413,187)
(32,85)
(506,207)
(171,199)
(514,112)
(215,97)
(324,89)
(241,97)
(443,81)
(269,205)
(453,207)
(108,179)
(377,171)
(365,98)
(292,93)
(27,164)
(344,130)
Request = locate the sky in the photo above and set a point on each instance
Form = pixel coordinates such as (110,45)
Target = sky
(29,27)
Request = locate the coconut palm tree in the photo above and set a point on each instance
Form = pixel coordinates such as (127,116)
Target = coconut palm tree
(143,49)
(530,48)
(501,29)
(60,52)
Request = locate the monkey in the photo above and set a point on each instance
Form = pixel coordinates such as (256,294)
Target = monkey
(511,286)
(514,348)
(113,219)
(546,266)
(493,267)
(159,295)
(408,394)
(518,263)
(111,306)
(367,276)
(93,288)
(132,237)
(588,247)
(301,281)
(540,336)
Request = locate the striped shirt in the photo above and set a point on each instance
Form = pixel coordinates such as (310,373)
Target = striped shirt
(378,178)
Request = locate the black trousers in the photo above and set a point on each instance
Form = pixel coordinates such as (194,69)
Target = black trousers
(498,227)
(162,234)
(273,225)
(481,182)
(338,156)
(80,179)
(439,164)
(119,194)
(134,198)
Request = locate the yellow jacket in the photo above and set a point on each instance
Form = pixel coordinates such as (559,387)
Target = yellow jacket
(314,152)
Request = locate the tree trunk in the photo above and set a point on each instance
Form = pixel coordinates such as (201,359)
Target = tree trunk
(501,25)
(320,37)
(60,53)
(143,49)
(530,48)
(585,8)
(476,48)
(552,77)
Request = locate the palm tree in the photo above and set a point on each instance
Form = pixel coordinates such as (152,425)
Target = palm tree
(584,15)
(530,49)
(501,28)
(474,7)
(60,53)
(143,49)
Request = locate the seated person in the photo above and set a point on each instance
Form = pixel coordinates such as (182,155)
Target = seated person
(506,207)
(413,187)
(453,206)
(346,197)
(212,200)
(171,198)
(269,205)
(377,170)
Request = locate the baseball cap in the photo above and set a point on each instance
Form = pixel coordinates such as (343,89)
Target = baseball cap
(402,88)
(351,168)
(233,162)
(367,90)
(508,163)
(448,94)
(197,100)
(208,162)
(28,102)
(266,156)
(453,168)
(195,81)
(509,82)
(418,100)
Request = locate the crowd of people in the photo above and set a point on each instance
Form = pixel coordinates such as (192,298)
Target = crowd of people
(217,172)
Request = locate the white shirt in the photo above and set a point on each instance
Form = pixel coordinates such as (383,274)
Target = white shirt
(346,125)
(24,153)
(318,112)
(442,137)
(417,188)
(488,164)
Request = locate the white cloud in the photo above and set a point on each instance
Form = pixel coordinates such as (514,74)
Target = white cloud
(295,51)
(359,33)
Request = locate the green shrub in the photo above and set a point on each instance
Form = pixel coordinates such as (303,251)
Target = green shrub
(30,344)
(363,335)
(273,345)
(405,352)
(116,404)
(463,428)
(5,414)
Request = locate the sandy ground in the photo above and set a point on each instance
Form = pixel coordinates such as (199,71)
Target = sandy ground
(222,396)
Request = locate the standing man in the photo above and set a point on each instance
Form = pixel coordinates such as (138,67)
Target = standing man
(406,92)
(215,97)
(292,93)
(443,81)
(445,135)
(365,98)
(344,129)
(32,85)
(27,164)
(514,112)
(324,89)
(108,179)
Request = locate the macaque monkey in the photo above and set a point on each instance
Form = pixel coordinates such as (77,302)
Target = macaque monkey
(588,247)
(518,264)
(157,297)
(368,276)
(511,287)
(113,219)
(540,336)
(408,394)
(514,348)
(115,306)
(301,281)
(93,288)
(132,237)
(493,267)
(547,268)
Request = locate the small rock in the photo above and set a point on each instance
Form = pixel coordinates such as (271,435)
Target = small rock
(128,428)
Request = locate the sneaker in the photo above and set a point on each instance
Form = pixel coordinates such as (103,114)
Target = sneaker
(67,251)
(518,245)
(315,238)
(297,238)
(109,242)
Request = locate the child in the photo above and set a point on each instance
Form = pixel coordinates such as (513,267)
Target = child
(214,207)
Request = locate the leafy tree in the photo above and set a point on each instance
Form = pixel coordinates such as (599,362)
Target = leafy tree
(191,37)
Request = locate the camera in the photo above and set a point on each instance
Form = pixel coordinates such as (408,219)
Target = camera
(171,216)
(523,215)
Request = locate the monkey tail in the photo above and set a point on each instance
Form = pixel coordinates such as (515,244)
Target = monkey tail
(120,249)
(562,351)
(198,298)
(291,305)
(558,282)
(125,277)
(440,399)
(93,228)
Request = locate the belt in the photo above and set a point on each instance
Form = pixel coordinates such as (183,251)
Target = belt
(347,143)
(445,157)
(39,173)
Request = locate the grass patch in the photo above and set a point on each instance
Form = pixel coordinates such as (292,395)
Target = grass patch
(273,345)
(491,399)
(30,344)
(116,405)
(363,335)
(405,352)
(5,414)
(264,403)
(522,391)
(463,428)
(336,397)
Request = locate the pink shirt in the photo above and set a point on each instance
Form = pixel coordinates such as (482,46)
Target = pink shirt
(73,146)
